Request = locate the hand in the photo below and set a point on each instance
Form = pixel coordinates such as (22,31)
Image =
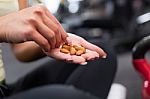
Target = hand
(32,24)
(92,51)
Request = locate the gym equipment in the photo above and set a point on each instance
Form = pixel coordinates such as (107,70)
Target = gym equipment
(141,64)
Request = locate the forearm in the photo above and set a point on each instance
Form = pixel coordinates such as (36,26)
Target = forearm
(27,52)
(22,4)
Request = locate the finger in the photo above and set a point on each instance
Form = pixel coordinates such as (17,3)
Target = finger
(95,54)
(63,34)
(55,28)
(72,39)
(40,40)
(90,55)
(51,16)
(47,33)
(78,59)
(93,47)
(62,31)
(55,53)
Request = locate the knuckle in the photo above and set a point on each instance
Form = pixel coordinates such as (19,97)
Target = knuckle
(28,32)
(56,30)
(39,9)
(52,35)
(57,22)
(32,19)
(65,36)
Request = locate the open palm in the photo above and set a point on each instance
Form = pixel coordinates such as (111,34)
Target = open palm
(92,51)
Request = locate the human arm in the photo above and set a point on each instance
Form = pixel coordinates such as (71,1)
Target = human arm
(35,52)
(19,50)
(32,24)
(26,25)
(92,51)
(27,52)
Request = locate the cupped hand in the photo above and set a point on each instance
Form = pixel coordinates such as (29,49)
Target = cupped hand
(92,51)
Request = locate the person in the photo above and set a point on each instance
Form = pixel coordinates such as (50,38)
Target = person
(53,92)
(82,77)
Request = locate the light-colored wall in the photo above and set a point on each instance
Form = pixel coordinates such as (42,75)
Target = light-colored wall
(8,6)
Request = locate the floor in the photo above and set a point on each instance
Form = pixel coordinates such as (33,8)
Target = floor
(126,75)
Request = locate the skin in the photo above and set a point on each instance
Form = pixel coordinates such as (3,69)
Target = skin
(34,51)
(22,4)
(39,34)
(33,24)
(92,51)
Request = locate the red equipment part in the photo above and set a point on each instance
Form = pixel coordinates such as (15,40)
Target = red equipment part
(143,68)
(142,65)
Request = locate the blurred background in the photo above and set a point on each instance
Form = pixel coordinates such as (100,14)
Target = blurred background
(119,22)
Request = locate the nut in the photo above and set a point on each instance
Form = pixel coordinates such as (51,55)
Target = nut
(79,52)
(83,49)
(65,46)
(72,50)
(64,51)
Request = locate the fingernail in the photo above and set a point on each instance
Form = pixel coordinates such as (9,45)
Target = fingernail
(69,60)
(85,63)
(104,56)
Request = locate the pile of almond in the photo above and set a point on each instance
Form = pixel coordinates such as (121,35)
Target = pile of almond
(72,49)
